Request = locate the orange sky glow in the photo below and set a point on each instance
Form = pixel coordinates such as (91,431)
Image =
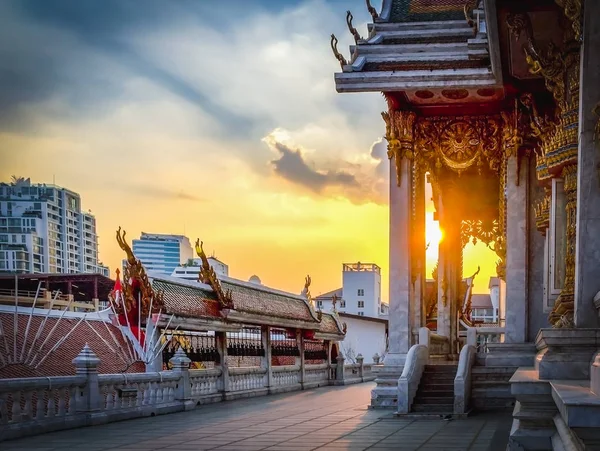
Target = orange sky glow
(277,173)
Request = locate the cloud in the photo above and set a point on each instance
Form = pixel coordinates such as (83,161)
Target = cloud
(359,182)
(291,166)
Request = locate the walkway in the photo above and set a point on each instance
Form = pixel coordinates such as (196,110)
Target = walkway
(332,418)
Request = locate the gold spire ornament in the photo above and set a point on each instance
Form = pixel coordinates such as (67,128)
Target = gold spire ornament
(208,276)
(135,277)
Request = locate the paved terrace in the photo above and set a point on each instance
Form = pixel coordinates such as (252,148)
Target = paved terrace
(331,418)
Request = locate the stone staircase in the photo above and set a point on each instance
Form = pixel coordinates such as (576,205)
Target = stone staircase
(435,395)
(490,387)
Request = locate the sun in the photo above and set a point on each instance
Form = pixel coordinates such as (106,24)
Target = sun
(433,233)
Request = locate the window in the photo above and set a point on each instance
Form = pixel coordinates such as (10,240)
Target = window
(342,304)
(320,304)
(361,304)
(361,292)
(361,313)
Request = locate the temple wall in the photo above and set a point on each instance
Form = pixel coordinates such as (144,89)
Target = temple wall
(537,317)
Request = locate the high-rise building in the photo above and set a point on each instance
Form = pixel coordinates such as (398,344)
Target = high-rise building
(162,253)
(43,230)
(191,268)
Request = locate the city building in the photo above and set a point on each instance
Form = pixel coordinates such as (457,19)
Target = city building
(190,269)
(44,230)
(365,335)
(360,293)
(162,253)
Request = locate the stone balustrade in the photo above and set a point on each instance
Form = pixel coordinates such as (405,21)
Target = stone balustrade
(416,359)
(30,406)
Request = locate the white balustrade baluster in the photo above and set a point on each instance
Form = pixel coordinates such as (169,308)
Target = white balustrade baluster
(27,409)
(109,397)
(51,405)
(62,402)
(40,410)
(72,400)
(16,406)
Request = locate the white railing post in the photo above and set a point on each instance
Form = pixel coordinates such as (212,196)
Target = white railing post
(424,336)
(472,336)
(360,360)
(180,363)
(89,398)
(416,359)
(339,369)
(300,339)
(462,381)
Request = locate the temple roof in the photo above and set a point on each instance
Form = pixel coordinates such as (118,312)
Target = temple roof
(252,304)
(427,50)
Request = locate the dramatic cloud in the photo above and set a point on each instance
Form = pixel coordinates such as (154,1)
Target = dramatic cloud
(292,167)
(359,182)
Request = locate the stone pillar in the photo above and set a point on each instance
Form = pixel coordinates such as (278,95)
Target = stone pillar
(443,307)
(339,369)
(516,250)
(266,361)
(587,251)
(418,253)
(221,339)
(301,360)
(86,364)
(180,363)
(360,360)
(400,264)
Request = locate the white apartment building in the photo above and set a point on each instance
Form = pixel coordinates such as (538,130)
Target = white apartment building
(43,230)
(360,293)
(191,268)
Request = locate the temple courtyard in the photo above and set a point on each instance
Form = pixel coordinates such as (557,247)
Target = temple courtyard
(334,418)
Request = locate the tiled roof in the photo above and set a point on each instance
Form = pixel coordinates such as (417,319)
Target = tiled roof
(329,325)
(259,301)
(481,301)
(426,10)
(58,363)
(184,300)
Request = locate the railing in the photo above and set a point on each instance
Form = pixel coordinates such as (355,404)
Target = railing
(462,381)
(37,399)
(416,359)
(480,337)
(32,406)
(287,375)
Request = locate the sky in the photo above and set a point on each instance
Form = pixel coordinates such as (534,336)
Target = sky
(217,120)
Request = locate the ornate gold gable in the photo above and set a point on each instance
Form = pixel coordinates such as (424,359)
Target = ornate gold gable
(208,276)
(134,279)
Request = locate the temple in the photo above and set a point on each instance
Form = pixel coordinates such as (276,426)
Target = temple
(495,103)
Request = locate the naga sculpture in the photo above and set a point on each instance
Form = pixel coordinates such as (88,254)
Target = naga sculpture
(209,277)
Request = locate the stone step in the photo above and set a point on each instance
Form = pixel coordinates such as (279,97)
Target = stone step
(435,408)
(492,392)
(494,370)
(490,384)
(420,401)
(434,393)
(493,403)
(426,386)
(441,368)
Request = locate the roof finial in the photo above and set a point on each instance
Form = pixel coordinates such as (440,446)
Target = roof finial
(372,10)
(336,53)
(353,30)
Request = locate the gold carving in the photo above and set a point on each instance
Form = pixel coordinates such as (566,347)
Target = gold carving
(573,11)
(135,278)
(458,143)
(399,132)
(485,231)
(351,28)
(209,277)
(542,214)
(372,10)
(336,53)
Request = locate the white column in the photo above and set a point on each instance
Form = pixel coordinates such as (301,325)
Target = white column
(443,300)
(400,280)
(516,251)
(587,250)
